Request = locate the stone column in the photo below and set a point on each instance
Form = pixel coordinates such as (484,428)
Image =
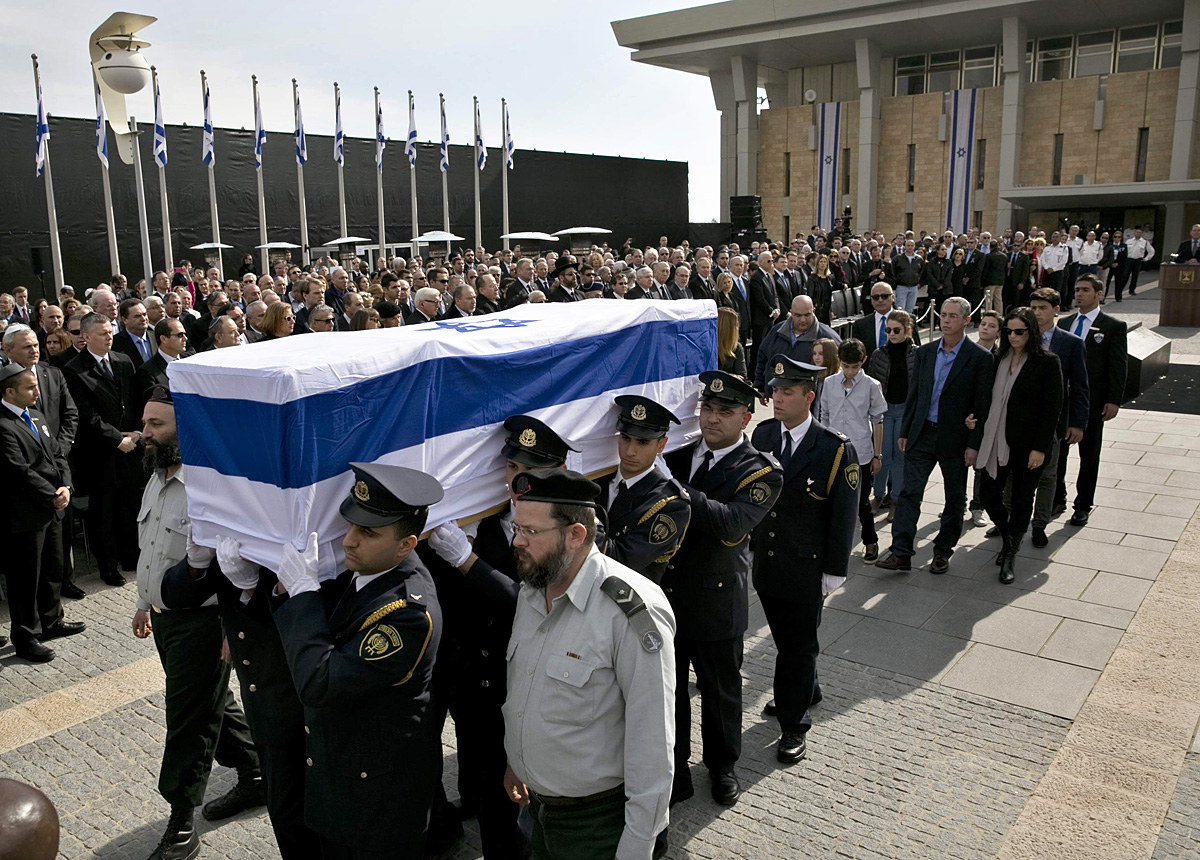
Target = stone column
(1012,119)
(722,87)
(866,54)
(1185,125)
(745,95)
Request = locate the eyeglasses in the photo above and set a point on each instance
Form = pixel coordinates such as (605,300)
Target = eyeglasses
(178,334)
(73,331)
(532,533)
(442,281)
(1019,331)
(894,330)
(880,296)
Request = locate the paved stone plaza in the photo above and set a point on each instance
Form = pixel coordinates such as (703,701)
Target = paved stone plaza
(961,718)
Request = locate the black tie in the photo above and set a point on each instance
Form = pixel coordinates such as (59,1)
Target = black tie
(785,456)
(702,473)
(1195,246)
(106,369)
(621,488)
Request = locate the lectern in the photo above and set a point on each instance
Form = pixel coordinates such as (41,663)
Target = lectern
(1180,295)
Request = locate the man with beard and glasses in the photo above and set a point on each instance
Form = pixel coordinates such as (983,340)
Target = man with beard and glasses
(203,720)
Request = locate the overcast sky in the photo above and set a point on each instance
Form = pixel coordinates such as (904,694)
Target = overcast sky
(569,86)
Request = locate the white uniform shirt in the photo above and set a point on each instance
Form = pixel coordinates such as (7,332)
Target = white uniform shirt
(1053,258)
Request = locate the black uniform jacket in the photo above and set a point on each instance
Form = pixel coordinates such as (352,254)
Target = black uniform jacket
(810,530)
(707,580)
(647,524)
(363,675)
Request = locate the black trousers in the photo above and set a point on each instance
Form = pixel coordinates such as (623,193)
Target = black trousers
(718,666)
(794,629)
(590,831)
(1011,521)
(1067,294)
(283,771)
(333,851)
(919,462)
(1122,277)
(111,524)
(1089,465)
(68,541)
(32,563)
(866,517)
(203,720)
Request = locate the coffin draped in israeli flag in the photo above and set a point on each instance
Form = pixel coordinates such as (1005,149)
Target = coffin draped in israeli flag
(268,431)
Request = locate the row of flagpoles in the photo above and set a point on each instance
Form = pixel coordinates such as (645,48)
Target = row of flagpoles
(208,156)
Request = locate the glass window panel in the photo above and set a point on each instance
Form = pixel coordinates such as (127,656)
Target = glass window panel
(943,82)
(944,58)
(1172,42)
(1093,54)
(973,78)
(987,52)
(1054,58)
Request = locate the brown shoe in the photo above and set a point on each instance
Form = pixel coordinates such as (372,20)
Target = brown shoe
(941,564)
(894,562)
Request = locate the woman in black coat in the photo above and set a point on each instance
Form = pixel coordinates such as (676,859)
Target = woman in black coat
(936,276)
(960,275)
(820,289)
(1021,426)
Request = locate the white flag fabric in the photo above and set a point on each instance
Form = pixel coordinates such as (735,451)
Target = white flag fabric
(385,396)
(160,129)
(444,164)
(480,149)
(42,133)
(339,139)
(260,133)
(380,140)
(962,151)
(509,146)
(828,153)
(301,142)
(209,152)
(410,144)
(101,129)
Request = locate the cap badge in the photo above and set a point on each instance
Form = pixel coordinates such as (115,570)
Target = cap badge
(716,386)
(528,438)
(638,413)
(361,491)
(779,369)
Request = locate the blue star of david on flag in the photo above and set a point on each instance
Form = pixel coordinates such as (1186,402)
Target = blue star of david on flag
(482,325)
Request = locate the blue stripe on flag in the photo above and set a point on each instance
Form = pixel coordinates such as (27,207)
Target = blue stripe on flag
(323,432)
(950,221)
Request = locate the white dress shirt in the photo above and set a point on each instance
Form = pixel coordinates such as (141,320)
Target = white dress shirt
(1053,258)
(629,482)
(702,449)
(1089,253)
(854,411)
(1090,317)
(1139,249)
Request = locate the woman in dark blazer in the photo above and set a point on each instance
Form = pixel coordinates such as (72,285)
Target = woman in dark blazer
(960,276)
(936,277)
(820,289)
(1021,426)
(1022,279)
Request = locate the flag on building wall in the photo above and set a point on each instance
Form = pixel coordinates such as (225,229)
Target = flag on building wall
(962,156)
(829,129)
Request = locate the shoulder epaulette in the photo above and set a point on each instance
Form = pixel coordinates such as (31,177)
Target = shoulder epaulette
(383,612)
(837,464)
(634,608)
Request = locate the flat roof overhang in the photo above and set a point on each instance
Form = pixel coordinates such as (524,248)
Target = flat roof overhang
(1103,196)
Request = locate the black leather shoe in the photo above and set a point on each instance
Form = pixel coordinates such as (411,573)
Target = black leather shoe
(1038,537)
(725,788)
(63,628)
(35,652)
(660,846)
(180,841)
(73,591)
(792,748)
(247,794)
(871,553)
(113,578)
(894,562)
(769,709)
(994,531)
(1080,518)
(1059,509)
(682,789)
(940,564)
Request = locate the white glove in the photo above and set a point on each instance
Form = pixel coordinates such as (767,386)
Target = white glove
(830,584)
(450,542)
(199,557)
(298,571)
(237,570)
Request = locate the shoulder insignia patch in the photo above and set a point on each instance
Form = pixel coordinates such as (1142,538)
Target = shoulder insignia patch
(634,608)
(852,476)
(759,492)
(663,529)
(381,641)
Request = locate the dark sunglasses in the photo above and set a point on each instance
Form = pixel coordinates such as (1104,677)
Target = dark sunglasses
(1021,331)
(74,331)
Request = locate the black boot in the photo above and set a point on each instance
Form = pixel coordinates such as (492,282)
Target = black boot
(1007,556)
(180,841)
(250,791)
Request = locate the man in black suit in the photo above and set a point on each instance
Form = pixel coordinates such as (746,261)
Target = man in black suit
(566,276)
(523,277)
(708,580)
(951,379)
(428,302)
(171,343)
(1116,261)
(740,294)
(1073,417)
(71,327)
(802,548)
(109,471)
(37,484)
(1189,249)
(701,284)
(487,295)
(464,303)
(133,340)
(973,258)
(1107,367)
(764,302)
(992,276)
(314,296)
(869,329)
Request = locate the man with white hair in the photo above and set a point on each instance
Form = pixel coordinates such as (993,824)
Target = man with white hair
(104,302)
(339,283)
(254,318)
(428,304)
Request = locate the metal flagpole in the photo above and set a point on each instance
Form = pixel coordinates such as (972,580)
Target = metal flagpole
(160,155)
(339,156)
(114,259)
(480,160)
(260,137)
(380,145)
(301,157)
(507,167)
(209,156)
(410,149)
(445,165)
(143,219)
(42,158)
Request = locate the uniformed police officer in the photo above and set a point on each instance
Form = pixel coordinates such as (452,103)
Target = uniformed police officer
(730,486)
(363,670)
(648,511)
(803,546)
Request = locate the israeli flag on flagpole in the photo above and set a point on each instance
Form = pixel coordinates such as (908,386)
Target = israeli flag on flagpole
(209,147)
(43,134)
(358,399)
(101,129)
(444,164)
(509,146)
(301,142)
(410,144)
(380,140)
(339,140)
(829,132)
(480,149)
(260,133)
(962,150)
(160,128)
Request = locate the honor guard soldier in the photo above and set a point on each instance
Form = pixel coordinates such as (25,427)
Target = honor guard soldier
(731,487)
(802,548)
(363,670)
(648,512)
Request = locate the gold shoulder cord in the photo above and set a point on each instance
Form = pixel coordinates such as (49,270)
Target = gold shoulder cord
(658,506)
(424,645)
(382,612)
(766,470)
(837,462)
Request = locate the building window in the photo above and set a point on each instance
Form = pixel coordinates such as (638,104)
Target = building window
(1054,58)
(944,68)
(846,171)
(1139,170)
(980,162)
(910,76)
(787,228)
(1137,48)
(908,222)
(787,175)
(1093,54)
(1029,60)
(912,166)
(1056,172)
(1172,45)
(979,67)
(977,219)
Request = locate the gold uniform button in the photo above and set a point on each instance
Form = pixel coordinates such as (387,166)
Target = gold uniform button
(772,515)
(307,730)
(253,688)
(720,585)
(241,635)
(770,553)
(770,534)
(362,775)
(308,761)
(245,662)
(485,653)
(484,683)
